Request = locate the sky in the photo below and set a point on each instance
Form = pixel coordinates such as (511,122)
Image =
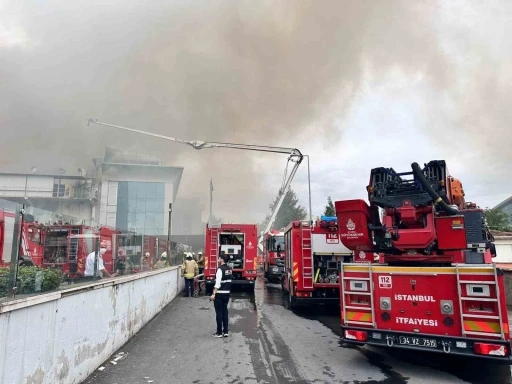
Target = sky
(353,84)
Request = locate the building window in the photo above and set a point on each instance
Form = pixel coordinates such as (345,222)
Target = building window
(58,189)
(112,194)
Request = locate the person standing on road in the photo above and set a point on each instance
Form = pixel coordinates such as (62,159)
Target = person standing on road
(220,297)
(89,263)
(200,262)
(188,270)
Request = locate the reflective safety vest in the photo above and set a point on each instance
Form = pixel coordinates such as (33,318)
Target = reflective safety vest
(225,283)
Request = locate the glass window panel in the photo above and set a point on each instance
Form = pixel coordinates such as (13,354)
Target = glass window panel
(141,205)
(150,190)
(132,205)
(139,221)
(159,220)
(141,190)
(122,190)
(159,190)
(150,221)
(132,190)
(160,206)
(150,205)
(159,231)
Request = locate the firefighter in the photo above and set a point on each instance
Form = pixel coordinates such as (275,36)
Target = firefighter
(200,262)
(89,263)
(162,263)
(189,270)
(220,297)
(146,264)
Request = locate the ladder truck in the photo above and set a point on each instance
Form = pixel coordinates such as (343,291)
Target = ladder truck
(434,286)
(313,255)
(295,157)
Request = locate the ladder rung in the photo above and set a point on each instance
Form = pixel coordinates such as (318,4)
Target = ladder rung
(482,334)
(361,308)
(357,293)
(477,282)
(479,299)
(481,316)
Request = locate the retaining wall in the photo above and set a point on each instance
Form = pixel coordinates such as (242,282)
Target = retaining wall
(62,337)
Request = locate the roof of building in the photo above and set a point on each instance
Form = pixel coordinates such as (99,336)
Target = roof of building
(504,203)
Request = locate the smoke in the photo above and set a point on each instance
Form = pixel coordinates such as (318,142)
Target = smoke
(263,72)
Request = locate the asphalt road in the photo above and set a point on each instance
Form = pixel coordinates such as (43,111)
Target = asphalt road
(270,344)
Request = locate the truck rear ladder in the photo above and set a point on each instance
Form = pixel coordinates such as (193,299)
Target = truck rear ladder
(214,250)
(307,259)
(356,314)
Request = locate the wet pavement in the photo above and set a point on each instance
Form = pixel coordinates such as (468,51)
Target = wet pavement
(268,343)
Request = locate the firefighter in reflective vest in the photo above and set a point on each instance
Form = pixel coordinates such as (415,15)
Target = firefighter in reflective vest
(220,297)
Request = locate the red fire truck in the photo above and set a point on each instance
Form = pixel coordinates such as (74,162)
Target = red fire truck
(434,287)
(313,255)
(239,242)
(31,247)
(273,255)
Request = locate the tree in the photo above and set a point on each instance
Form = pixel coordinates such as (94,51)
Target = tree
(329,208)
(290,210)
(497,220)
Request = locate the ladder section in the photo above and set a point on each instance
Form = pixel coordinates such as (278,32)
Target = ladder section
(357,303)
(481,312)
(307,258)
(214,250)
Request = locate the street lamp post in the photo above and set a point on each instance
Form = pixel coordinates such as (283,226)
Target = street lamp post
(169,234)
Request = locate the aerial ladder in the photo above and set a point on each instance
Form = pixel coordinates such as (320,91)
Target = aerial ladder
(295,157)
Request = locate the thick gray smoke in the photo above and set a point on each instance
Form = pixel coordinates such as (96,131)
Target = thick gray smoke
(260,72)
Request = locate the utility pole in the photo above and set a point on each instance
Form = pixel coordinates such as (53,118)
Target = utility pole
(13,271)
(211,200)
(169,235)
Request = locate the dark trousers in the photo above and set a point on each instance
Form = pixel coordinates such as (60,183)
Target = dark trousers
(221,310)
(189,287)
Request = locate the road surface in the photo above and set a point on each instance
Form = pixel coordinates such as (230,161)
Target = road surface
(270,344)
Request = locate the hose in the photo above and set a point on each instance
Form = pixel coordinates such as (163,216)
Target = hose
(417,171)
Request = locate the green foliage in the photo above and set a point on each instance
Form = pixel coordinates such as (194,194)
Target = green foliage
(290,210)
(329,208)
(32,279)
(498,220)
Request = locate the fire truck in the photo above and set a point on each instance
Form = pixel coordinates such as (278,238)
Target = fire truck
(239,242)
(434,286)
(31,246)
(313,255)
(273,255)
(66,247)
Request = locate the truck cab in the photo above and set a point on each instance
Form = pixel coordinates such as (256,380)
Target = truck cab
(273,255)
(239,243)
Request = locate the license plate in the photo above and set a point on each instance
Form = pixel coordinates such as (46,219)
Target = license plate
(419,342)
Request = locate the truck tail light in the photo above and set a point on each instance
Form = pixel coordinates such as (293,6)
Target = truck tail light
(356,335)
(489,349)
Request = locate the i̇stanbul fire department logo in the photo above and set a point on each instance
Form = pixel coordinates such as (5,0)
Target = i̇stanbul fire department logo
(350,225)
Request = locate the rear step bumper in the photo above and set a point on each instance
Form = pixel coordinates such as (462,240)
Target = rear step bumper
(234,282)
(381,338)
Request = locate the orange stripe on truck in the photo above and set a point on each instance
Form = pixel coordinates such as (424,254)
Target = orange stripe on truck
(482,326)
(359,316)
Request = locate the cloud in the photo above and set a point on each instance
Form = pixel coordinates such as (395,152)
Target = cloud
(255,72)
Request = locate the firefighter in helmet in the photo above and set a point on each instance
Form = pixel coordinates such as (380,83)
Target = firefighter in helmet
(189,270)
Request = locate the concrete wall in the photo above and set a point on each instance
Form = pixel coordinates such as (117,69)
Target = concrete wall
(62,337)
(503,249)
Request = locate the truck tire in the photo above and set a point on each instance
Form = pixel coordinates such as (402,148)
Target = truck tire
(291,300)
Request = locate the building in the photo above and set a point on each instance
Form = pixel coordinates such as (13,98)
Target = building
(125,190)
(186,217)
(135,191)
(51,194)
(505,206)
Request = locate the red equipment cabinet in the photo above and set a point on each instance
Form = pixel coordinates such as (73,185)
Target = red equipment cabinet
(273,255)
(313,255)
(435,287)
(239,242)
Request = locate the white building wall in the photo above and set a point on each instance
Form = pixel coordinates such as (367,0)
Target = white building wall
(62,337)
(36,186)
(503,250)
